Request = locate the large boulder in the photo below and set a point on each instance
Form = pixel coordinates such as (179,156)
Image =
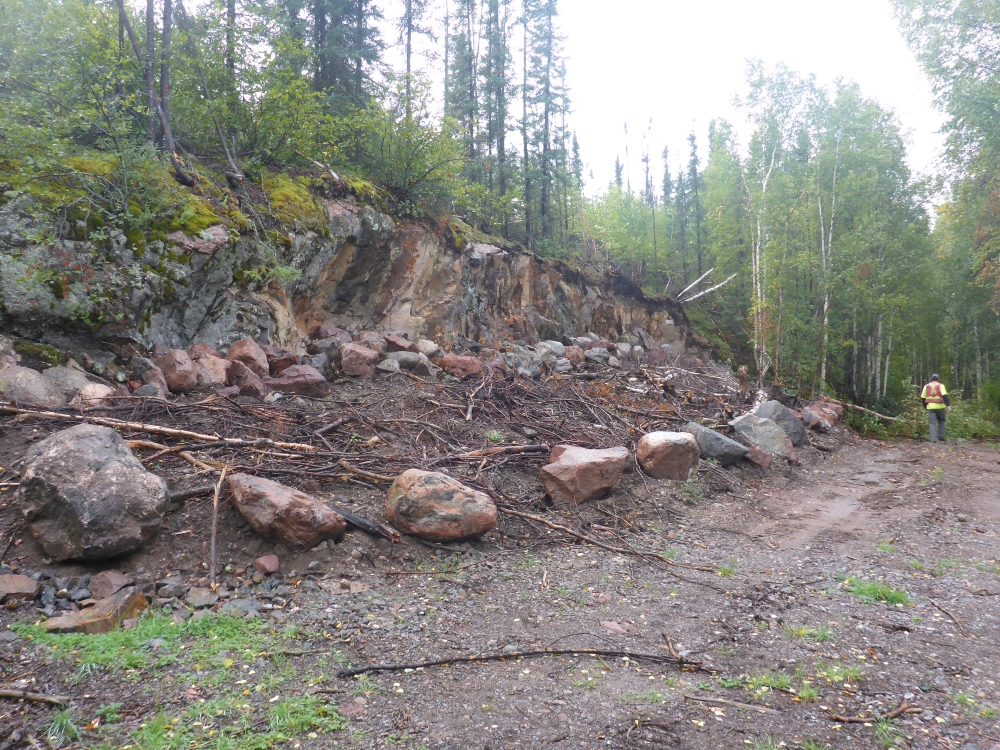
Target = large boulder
(713,445)
(668,455)
(279,360)
(761,433)
(297,520)
(24,385)
(8,355)
(92,394)
(373,341)
(301,380)
(249,353)
(178,370)
(785,418)
(249,382)
(86,497)
(576,475)
(357,361)
(433,506)
(461,366)
(396,343)
(212,371)
(19,588)
(67,379)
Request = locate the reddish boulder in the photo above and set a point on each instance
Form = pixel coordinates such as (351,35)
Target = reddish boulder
(103,617)
(155,377)
(301,380)
(267,565)
(373,341)
(279,360)
(575,355)
(108,583)
(202,350)
(791,454)
(759,457)
(246,380)
(178,370)
(357,361)
(395,343)
(249,353)
(19,588)
(323,331)
(433,506)
(275,511)
(212,371)
(668,455)
(461,366)
(576,475)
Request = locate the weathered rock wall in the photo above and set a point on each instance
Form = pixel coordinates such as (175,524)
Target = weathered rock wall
(366,271)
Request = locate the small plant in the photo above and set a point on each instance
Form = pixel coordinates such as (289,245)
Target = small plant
(837,674)
(885,546)
(991,714)
(916,564)
(731,682)
(814,635)
(871,591)
(888,734)
(62,729)
(811,744)
(941,567)
(495,436)
(728,570)
(770,681)
(110,713)
(808,692)
(964,700)
(767,743)
(693,492)
(990,566)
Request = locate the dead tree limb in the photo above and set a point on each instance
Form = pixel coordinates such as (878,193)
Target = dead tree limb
(321,166)
(181,172)
(24,695)
(707,291)
(369,527)
(904,707)
(362,473)
(952,617)
(215,526)
(504,450)
(157,430)
(657,658)
(863,410)
(734,704)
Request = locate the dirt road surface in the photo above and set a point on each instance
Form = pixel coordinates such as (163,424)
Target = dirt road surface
(864,581)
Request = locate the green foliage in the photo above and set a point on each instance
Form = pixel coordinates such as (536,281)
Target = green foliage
(770,681)
(62,729)
(872,591)
(836,674)
(292,203)
(814,635)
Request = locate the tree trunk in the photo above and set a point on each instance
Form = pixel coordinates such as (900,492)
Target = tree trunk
(231,42)
(979,362)
(409,55)
(888,356)
(165,57)
(524,136)
(148,68)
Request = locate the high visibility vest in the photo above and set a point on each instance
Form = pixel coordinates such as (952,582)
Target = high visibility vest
(935,393)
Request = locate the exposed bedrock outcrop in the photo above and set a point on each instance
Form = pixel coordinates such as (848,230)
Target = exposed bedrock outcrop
(364,270)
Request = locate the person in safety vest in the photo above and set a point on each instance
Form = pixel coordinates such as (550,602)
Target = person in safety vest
(937,403)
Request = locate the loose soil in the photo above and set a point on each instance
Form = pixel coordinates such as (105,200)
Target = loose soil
(758,602)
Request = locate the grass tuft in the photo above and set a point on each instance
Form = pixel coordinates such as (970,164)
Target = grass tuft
(872,591)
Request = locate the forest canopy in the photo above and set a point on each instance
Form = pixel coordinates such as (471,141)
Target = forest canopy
(806,249)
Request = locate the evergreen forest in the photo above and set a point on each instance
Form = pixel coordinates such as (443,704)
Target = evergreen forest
(808,251)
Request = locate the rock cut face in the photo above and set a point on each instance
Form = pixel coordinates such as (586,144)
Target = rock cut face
(86,497)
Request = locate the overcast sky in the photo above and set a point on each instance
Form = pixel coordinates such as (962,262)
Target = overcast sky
(680,63)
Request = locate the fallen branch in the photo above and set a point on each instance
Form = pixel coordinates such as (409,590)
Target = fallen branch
(321,166)
(504,450)
(863,410)
(954,619)
(179,497)
(215,527)
(904,707)
(707,291)
(24,695)
(659,658)
(734,704)
(157,430)
(369,527)
(332,426)
(362,473)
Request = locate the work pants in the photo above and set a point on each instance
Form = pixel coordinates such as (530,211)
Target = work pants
(937,419)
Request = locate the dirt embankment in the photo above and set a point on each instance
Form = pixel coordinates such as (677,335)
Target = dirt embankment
(863,581)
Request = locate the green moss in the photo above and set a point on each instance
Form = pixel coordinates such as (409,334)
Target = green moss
(40,352)
(195,215)
(292,203)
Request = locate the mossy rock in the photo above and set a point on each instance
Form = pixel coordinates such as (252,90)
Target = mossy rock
(196,215)
(292,203)
(40,352)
